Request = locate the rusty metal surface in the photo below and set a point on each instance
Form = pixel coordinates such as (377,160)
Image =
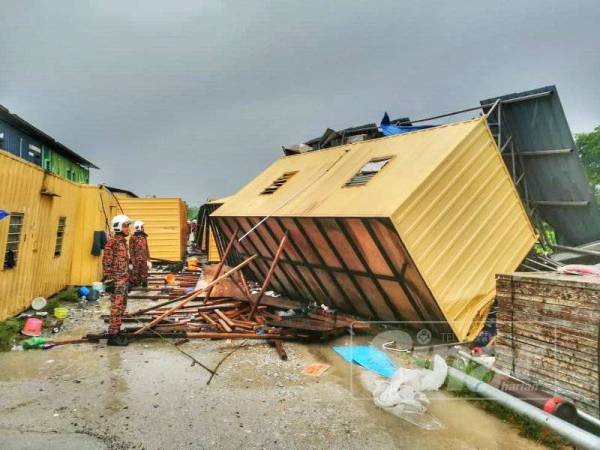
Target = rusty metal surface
(356,265)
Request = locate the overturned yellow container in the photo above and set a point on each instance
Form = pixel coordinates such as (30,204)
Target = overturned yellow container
(411,227)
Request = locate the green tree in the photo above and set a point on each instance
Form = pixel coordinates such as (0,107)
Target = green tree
(192,212)
(588,145)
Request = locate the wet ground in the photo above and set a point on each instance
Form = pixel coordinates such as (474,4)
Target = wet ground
(148,395)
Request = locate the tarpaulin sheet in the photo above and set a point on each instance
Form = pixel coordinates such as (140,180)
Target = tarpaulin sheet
(390,129)
(369,358)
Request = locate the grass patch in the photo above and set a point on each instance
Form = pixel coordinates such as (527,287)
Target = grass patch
(8,331)
(69,294)
(53,303)
(527,427)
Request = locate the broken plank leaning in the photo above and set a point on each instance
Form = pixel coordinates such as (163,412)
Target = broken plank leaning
(265,284)
(222,262)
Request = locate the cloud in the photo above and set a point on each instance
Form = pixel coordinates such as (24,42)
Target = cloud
(194,98)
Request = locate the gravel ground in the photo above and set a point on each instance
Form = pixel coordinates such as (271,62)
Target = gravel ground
(149,396)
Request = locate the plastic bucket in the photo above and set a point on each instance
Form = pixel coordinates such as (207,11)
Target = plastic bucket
(93,295)
(61,312)
(98,286)
(84,291)
(32,327)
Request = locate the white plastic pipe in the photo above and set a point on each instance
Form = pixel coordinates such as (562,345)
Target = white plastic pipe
(573,434)
(589,418)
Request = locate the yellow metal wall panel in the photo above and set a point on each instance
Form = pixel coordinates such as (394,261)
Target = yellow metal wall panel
(95,206)
(38,271)
(213,251)
(463,225)
(164,221)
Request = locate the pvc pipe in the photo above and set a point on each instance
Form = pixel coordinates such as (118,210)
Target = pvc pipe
(589,418)
(565,409)
(573,434)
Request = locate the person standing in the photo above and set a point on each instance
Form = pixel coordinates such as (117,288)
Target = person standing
(140,255)
(115,268)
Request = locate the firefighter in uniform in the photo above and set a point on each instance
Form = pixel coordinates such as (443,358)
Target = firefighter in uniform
(115,265)
(140,255)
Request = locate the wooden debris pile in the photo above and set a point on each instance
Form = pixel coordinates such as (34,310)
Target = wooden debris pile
(549,335)
(225,310)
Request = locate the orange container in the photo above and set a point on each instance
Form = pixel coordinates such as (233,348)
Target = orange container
(170,278)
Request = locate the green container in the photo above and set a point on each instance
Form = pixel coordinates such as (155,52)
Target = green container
(34,342)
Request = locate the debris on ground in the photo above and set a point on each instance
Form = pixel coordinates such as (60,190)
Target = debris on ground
(192,305)
(405,392)
(315,370)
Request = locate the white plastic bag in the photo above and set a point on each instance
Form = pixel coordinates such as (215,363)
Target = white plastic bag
(405,392)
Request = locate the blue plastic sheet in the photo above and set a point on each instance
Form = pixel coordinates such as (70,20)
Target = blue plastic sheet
(390,129)
(370,358)
(3,214)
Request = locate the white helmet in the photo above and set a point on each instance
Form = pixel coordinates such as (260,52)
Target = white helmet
(118,221)
(138,225)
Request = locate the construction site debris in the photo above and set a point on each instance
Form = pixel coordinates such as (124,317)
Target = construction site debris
(200,315)
(315,370)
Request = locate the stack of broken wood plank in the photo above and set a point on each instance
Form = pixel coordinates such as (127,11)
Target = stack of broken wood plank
(225,308)
(549,333)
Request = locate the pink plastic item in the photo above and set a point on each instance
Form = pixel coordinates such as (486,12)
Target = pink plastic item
(580,269)
(32,327)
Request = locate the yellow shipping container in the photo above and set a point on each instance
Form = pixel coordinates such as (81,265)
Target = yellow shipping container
(53,224)
(207,233)
(411,227)
(165,222)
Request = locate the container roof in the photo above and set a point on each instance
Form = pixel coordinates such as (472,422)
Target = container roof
(116,190)
(219,201)
(59,148)
(318,184)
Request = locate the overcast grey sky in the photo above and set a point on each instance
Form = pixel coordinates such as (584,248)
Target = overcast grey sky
(194,98)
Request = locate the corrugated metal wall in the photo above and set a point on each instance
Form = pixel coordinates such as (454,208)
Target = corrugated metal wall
(38,271)
(17,143)
(95,205)
(421,241)
(463,225)
(165,222)
(212,254)
(60,165)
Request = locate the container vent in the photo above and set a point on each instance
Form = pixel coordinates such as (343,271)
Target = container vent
(368,171)
(278,183)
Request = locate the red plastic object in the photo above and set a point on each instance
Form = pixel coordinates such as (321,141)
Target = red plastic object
(32,327)
(551,405)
